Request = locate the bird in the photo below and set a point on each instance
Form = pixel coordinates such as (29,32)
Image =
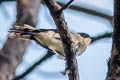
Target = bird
(50,38)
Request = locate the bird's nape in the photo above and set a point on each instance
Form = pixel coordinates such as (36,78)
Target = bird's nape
(84,35)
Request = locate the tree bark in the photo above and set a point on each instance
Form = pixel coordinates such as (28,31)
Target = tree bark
(13,50)
(114,62)
(58,17)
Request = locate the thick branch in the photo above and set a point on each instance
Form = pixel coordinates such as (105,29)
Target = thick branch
(114,62)
(12,51)
(65,37)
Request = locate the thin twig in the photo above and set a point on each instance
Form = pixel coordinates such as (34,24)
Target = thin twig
(30,69)
(83,9)
(102,36)
(66,6)
(90,11)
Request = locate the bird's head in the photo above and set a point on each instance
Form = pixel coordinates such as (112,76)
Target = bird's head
(87,38)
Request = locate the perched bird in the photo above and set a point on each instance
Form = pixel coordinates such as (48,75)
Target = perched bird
(50,38)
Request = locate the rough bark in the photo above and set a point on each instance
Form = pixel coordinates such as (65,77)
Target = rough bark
(114,62)
(13,50)
(58,17)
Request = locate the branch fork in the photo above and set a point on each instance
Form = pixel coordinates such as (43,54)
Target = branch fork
(65,6)
(71,62)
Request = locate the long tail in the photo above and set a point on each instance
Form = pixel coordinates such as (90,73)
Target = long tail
(22,31)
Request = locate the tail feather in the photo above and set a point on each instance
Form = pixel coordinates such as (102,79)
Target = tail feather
(22,32)
(23,27)
(25,32)
(15,35)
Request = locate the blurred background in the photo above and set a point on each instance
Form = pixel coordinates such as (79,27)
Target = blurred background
(92,64)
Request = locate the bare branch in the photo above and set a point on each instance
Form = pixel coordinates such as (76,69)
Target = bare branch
(13,50)
(66,6)
(30,69)
(65,37)
(102,36)
(114,61)
(89,11)
(83,9)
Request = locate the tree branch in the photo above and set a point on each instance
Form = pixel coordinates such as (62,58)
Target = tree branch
(102,36)
(83,9)
(114,61)
(65,37)
(12,51)
(66,6)
(30,69)
(89,11)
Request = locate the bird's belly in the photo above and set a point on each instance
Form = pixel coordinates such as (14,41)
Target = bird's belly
(56,45)
(52,43)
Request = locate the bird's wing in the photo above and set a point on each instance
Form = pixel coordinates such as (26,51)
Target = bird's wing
(57,36)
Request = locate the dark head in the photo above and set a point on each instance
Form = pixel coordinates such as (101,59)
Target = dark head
(87,38)
(84,35)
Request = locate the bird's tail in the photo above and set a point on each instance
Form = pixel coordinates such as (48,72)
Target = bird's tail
(22,31)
